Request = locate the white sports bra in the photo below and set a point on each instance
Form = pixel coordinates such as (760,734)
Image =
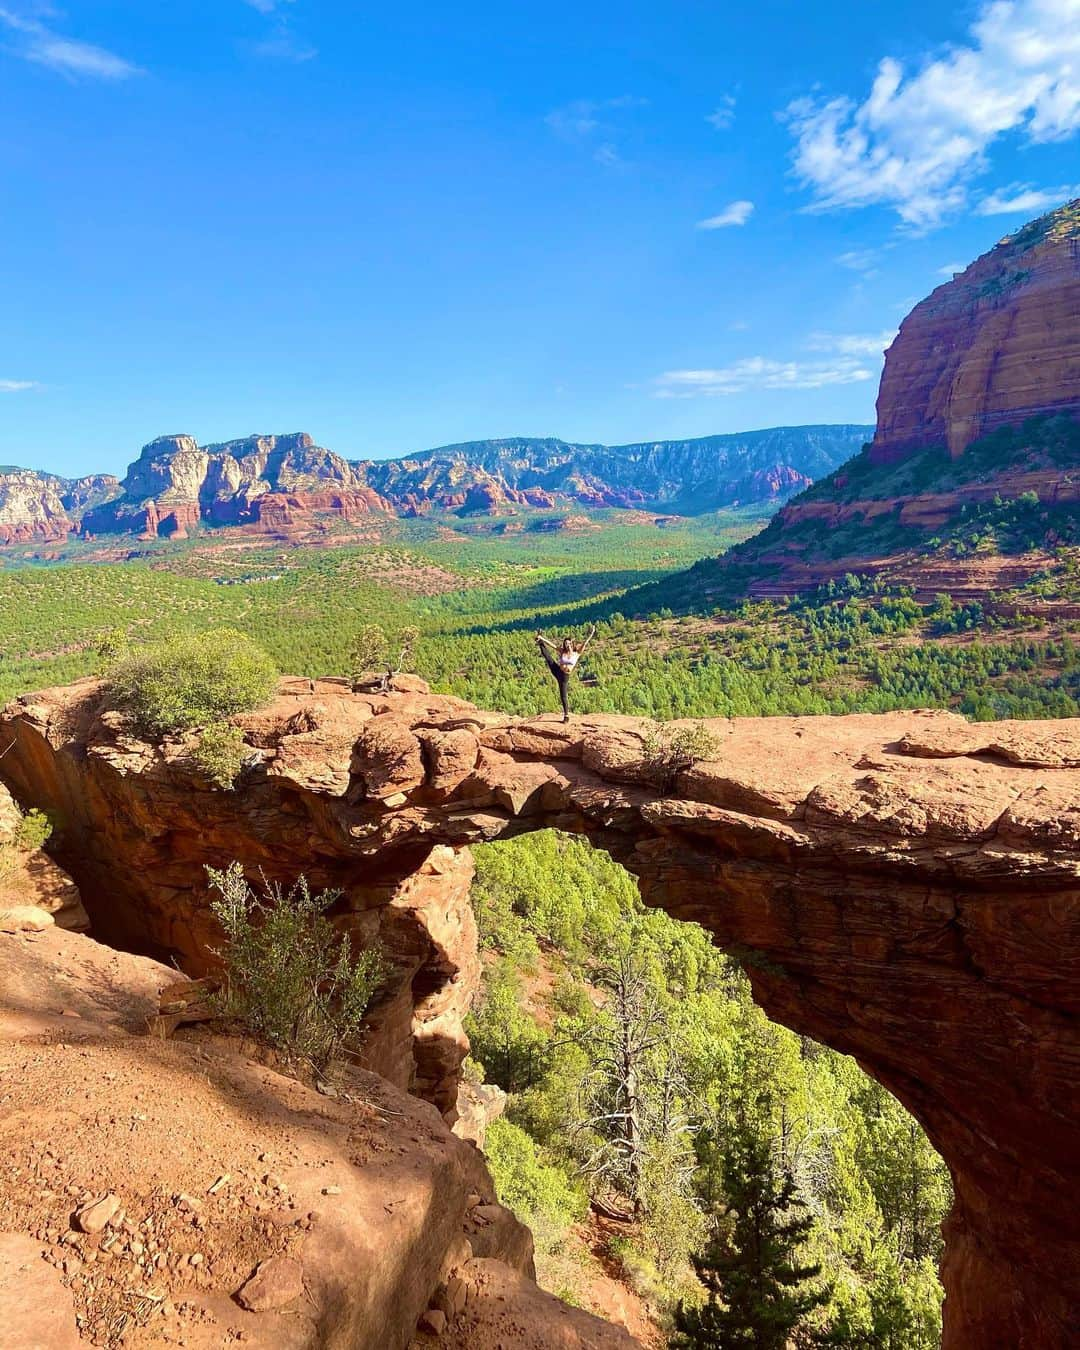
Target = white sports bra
(568,660)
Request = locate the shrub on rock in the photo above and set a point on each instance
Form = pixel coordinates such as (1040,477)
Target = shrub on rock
(219,754)
(192,680)
(291,977)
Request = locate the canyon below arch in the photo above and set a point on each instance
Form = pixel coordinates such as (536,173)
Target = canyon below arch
(904,887)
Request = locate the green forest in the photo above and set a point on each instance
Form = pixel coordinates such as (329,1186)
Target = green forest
(646,1087)
(856,645)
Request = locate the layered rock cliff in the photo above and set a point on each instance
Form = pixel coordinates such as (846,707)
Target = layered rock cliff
(903,887)
(998,343)
(978,409)
(44,508)
(288,484)
(262,481)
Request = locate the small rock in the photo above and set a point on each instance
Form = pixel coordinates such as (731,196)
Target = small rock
(331,1190)
(93,1217)
(274,1283)
(434,1320)
(24,919)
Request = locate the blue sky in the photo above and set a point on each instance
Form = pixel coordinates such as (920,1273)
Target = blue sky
(401,226)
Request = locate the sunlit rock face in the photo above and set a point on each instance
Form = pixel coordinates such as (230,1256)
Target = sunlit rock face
(997,344)
(904,887)
(45,508)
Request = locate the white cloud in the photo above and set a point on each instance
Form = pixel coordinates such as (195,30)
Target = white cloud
(851,344)
(17,386)
(951,269)
(34,42)
(760,372)
(280,43)
(723,115)
(916,140)
(737,213)
(861,260)
(574,121)
(1023,199)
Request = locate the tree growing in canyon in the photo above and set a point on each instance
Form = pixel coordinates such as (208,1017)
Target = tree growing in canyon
(759,1292)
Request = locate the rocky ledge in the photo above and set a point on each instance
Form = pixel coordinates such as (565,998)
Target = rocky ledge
(903,887)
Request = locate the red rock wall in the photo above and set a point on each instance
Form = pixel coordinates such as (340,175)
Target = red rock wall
(997,344)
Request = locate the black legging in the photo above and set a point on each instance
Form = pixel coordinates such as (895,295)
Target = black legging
(562,679)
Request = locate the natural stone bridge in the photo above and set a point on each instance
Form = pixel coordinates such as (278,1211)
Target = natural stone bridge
(904,887)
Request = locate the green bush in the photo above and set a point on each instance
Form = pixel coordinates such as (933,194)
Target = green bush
(188,681)
(219,754)
(29,834)
(291,977)
(540,1195)
(670,750)
(509,1044)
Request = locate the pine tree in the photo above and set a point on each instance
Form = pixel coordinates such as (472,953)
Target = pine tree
(758,1292)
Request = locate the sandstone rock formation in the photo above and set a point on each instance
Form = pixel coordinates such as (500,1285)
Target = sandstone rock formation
(266,482)
(34,892)
(288,485)
(997,344)
(44,508)
(905,887)
(181,1192)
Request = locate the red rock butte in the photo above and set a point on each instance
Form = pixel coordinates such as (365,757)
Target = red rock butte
(904,887)
(997,344)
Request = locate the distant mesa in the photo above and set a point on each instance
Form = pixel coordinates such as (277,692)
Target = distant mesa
(287,485)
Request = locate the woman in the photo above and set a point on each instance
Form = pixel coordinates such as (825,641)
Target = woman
(562,662)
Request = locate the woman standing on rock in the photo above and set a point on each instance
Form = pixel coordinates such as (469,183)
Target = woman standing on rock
(562,662)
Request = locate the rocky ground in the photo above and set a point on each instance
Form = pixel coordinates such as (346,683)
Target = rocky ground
(182,1192)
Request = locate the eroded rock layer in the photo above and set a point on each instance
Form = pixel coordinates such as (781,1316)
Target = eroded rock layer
(905,887)
(997,344)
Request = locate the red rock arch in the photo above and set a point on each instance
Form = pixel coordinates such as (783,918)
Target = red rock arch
(906,887)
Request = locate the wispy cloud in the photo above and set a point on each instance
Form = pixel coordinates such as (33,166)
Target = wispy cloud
(33,41)
(845,358)
(590,122)
(951,269)
(281,42)
(17,386)
(1023,199)
(760,372)
(916,140)
(861,260)
(851,344)
(737,213)
(723,115)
